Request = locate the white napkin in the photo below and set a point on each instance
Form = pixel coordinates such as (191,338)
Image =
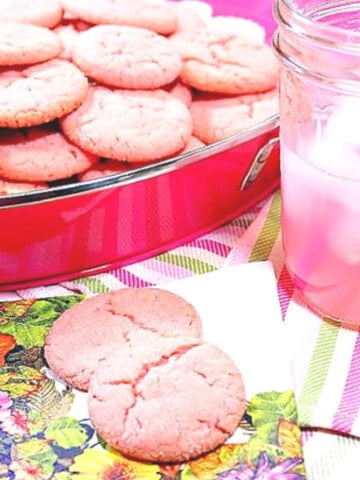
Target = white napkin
(241,314)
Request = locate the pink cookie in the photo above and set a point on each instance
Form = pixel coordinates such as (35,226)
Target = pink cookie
(67,32)
(40,93)
(104,168)
(157,310)
(9,187)
(191,145)
(188,18)
(180,91)
(45,13)
(250,30)
(216,117)
(129,125)
(157,16)
(94,329)
(107,167)
(202,8)
(22,44)
(126,57)
(167,401)
(40,154)
(224,62)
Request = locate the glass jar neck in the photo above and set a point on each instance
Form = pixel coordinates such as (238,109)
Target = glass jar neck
(320,39)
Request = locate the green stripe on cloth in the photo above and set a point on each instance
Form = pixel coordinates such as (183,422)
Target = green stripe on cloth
(190,263)
(269,232)
(317,371)
(245,221)
(93,284)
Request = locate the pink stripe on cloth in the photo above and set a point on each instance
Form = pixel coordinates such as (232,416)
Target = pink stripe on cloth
(212,246)
(285,288)
(129,278)
(348,408)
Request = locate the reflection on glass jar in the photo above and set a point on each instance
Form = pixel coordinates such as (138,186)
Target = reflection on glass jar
(318,44)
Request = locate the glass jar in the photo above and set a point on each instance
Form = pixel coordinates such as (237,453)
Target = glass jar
(318,44)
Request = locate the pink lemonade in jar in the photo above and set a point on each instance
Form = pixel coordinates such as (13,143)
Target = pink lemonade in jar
(321,217)
(318,47)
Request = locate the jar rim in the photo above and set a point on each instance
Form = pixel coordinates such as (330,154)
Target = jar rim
(289,15)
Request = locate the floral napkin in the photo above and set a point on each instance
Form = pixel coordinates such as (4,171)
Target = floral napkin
(45,430)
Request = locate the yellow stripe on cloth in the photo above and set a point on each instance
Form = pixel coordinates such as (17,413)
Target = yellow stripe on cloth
(269,232)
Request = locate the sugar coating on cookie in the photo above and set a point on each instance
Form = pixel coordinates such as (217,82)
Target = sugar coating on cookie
(126,57)
(40,93)
(45,13)
(216,117)
(24,44)
(129,125)
(157,16)
(168,401)
(40,154)
(92,330)
(224,62)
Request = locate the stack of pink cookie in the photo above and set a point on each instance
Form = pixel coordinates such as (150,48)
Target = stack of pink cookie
(156,390)
(93,87)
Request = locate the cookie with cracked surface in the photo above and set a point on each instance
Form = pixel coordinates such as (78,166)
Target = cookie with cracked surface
(169,401)
(40,154)
(157,16)
(129,125)
(223,62)
(126,57)
(94,329)
(25,44)
(45,13)
(40,93)
(216,117)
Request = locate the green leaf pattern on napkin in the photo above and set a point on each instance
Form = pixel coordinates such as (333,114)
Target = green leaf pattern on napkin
(30,326)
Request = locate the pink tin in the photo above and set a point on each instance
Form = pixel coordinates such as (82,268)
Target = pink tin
(85,228)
